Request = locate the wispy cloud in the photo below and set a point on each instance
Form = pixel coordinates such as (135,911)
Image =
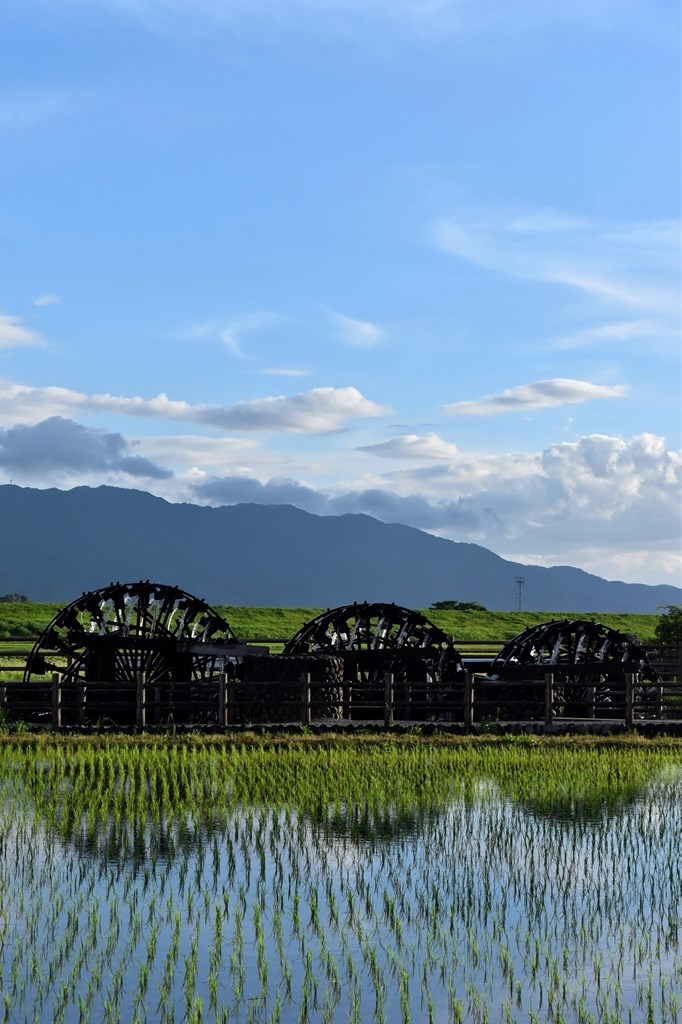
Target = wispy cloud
(357,332)
(411,19)
(632,266)
(13,333)
(412,446)
(319,411)
(48,299)
(612,333)
(541,394)
(199,450)
(229,332)
(231,341)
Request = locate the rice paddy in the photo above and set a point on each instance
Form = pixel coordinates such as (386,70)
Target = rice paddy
(349,880)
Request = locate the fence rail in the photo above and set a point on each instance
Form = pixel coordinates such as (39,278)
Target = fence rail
(541,694)
(223,702)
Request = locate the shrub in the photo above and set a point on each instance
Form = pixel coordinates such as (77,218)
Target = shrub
(458,606)
(669,626)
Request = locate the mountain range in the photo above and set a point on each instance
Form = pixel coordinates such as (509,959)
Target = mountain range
(56,544)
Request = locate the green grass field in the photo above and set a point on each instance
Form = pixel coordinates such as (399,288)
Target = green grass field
(29,619)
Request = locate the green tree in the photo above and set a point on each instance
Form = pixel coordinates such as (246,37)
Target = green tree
(13,599)
(458,606)
(669,626)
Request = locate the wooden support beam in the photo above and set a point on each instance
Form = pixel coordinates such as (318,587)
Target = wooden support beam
(306,702)
(223,700)
(468,715)
(56,700)
(549,698)
(388,699)
(141,701)
(630,678)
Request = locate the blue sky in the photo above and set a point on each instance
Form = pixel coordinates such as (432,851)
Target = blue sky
(417,258)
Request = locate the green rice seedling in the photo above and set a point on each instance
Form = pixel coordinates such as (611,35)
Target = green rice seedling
(437,864)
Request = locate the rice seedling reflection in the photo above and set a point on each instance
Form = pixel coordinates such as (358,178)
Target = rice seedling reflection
(213,882)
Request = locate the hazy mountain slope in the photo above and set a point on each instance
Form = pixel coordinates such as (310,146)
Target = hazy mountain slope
(55,544)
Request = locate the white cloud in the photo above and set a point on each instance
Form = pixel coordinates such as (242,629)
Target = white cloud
(321,410)
(607,504)
(318,411)
(621,331)
(13,334)
(48,299)
(197,452)
(599,502)
(229,333)
(413,446)
(357,332)
(628,292)
(229,338)
(629,265)
(541,394)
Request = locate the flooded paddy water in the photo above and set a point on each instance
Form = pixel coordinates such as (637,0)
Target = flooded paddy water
(348,882)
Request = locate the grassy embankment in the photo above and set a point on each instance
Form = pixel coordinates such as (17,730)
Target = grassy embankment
(28,619)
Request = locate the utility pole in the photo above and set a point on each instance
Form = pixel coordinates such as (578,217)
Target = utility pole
(520,581)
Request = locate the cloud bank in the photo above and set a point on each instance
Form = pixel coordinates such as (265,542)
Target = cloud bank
(319,411)
(58,445)
(607,504)
(600,501)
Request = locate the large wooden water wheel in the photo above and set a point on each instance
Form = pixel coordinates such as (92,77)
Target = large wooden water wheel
(115,634)
(375,639)
(589,656)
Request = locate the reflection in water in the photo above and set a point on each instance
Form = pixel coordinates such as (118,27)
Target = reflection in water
(480,905)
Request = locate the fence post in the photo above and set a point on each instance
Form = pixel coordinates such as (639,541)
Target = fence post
(629,699)
(592,698)
(56,700)
(549,698)
(469,699)
(222,700)
(306,704)
(82,701)
(388,699)
(347,698)
(141,703)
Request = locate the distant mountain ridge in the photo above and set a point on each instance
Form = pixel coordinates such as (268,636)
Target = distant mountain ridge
(56,544)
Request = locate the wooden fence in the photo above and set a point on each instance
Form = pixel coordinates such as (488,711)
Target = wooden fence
(223,702)
(526,694)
